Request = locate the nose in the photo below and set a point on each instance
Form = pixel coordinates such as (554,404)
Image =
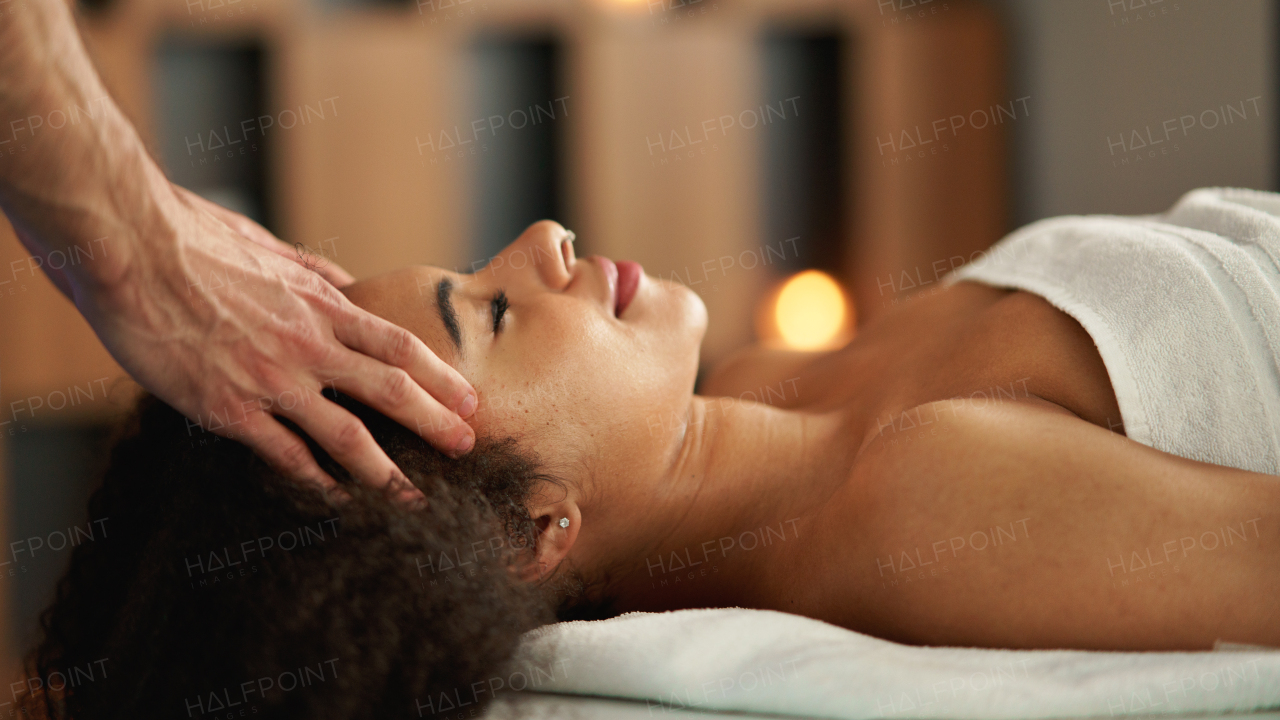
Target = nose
(545,251)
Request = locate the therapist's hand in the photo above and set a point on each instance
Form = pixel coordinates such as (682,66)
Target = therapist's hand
(254,232)
(221,324)
(203,308)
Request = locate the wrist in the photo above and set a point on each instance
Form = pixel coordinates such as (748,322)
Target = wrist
(136,235)
(95,236)
(97,206)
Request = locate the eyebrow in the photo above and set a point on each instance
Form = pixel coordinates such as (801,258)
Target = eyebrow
(447,316)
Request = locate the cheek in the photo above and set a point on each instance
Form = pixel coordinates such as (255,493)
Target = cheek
(572,379)
(538,379)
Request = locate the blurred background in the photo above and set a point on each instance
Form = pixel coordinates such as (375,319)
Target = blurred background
(802,164)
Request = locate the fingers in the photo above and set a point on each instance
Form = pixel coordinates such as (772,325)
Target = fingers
(328,270)
(299,333)
(336,276)
(394,393)
(288,454)
(349,442)
(404,380)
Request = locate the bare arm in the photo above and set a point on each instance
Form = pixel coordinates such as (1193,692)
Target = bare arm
(226,330)
(1015,526)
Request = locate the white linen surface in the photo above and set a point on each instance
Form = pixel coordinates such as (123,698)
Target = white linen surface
(766,662)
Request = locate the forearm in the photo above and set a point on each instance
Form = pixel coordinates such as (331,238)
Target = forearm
(75,180)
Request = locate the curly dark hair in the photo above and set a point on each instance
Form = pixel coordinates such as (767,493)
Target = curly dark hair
(220,587)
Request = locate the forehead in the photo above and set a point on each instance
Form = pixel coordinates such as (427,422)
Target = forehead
(407,297)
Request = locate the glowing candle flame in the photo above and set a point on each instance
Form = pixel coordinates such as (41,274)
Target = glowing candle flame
(810,310)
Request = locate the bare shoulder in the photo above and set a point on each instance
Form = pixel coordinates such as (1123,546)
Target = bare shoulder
(967,436)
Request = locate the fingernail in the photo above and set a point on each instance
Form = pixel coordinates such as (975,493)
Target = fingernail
(464,445)
(468,407)
(410,495)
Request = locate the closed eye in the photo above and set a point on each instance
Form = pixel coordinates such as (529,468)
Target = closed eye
(498,307)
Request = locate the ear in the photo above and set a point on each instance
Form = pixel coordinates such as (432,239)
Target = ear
(554,541)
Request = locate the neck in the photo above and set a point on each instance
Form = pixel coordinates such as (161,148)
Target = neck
(743,481)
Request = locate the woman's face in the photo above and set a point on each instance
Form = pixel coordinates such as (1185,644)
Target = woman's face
(594,392)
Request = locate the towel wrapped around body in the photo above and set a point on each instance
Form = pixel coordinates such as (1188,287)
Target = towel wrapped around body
(1184,308)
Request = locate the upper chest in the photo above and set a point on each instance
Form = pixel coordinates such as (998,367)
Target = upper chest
(971,341)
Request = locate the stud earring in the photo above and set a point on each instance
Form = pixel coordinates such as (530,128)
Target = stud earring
(564,522)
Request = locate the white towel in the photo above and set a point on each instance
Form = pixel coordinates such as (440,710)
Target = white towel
(1184,308)
(769,662)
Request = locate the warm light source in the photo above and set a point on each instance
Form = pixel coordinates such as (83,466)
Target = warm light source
(810,311)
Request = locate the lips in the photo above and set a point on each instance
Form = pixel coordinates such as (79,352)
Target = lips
(624,280)
(629,275)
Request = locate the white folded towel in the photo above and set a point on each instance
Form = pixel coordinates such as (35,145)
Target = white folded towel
(769,662)
(1184,308)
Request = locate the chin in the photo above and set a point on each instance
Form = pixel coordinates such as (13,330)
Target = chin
(697,313)
(688,320)
(681,307)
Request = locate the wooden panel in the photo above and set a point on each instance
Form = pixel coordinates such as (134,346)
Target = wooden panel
(656,187)
(360,176)
(919,204)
